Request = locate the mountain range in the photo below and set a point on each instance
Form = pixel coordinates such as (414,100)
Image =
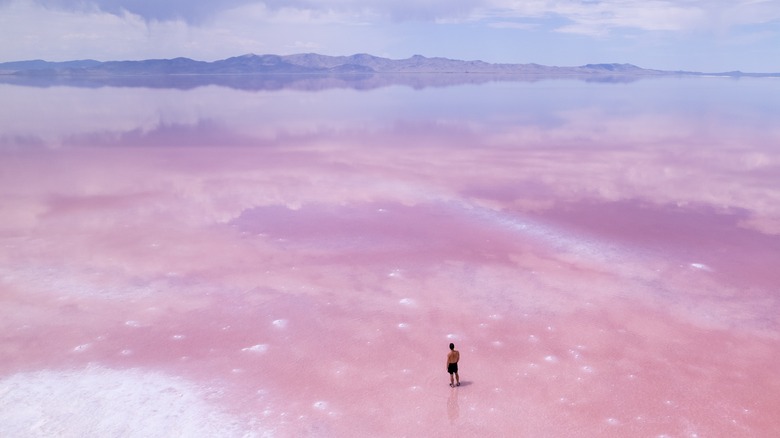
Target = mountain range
(311,63)
(312,72)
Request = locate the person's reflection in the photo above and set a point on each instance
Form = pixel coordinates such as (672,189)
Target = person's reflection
(453,410)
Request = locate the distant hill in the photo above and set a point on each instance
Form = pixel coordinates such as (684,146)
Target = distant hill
(305,63)
(313,71)
(39,64)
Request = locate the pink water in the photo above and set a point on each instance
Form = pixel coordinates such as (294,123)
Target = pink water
(218,262)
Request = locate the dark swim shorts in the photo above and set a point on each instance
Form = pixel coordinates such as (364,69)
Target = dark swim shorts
(452,368)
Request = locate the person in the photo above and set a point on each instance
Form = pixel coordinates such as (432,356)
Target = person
(452,365)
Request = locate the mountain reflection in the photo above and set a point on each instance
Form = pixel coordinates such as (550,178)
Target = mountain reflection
(525,144)
(301,82)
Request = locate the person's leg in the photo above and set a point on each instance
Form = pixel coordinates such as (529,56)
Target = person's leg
(452,381)
(457,378)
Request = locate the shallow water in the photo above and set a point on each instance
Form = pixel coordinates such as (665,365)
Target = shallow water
(217,261)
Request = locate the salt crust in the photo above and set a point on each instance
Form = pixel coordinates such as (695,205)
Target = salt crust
(103,402)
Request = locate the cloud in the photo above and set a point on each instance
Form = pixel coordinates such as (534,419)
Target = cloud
(198,12)
(59,31)
(191,11)
(512,25)
(598,18)
(582,16)
(57,34)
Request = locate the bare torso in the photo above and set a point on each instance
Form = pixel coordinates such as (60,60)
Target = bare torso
(453,356)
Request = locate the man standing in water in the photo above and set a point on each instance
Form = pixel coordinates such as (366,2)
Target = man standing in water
(452,365)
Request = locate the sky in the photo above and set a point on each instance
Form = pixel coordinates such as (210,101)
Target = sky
(693,35)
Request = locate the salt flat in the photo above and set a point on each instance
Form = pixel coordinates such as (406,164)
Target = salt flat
(290,263)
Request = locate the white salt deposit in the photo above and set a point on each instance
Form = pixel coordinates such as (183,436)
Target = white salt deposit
(407,301)
(80,348)
(259,348)
(103,402)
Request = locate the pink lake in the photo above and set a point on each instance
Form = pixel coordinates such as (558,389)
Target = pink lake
(293,259)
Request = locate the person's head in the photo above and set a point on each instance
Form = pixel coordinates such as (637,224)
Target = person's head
(452,346)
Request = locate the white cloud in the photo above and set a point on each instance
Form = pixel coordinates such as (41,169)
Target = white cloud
(55,34)
(64,34)
(512,25)
(601,17)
